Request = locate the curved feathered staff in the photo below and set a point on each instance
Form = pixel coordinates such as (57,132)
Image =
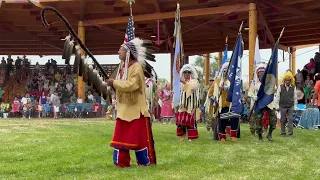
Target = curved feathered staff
(73,33)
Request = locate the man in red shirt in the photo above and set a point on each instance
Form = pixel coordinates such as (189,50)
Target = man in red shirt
(316,91)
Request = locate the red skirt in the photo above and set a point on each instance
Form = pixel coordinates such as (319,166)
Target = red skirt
(185,119)
(134,135)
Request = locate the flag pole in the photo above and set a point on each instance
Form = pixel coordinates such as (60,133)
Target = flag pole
(239,32)
(268,63)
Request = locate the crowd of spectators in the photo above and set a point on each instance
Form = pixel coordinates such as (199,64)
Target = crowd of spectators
(51,86)
(306,78)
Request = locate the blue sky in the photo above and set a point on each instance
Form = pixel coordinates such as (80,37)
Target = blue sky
(163,60)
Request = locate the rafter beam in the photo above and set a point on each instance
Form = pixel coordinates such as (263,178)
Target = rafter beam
(265,25)
(306,42)
(287,9)
(267,30)
(164,26)
(45,41)
(171,15)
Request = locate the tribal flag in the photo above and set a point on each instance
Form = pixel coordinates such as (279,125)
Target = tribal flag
(130,30)
(234,76)
(177,59)
(268,82)
(225,58)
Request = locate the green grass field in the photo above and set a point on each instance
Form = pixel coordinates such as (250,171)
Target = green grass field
(79,149)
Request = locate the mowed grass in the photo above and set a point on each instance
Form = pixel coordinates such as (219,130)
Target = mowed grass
(79,149)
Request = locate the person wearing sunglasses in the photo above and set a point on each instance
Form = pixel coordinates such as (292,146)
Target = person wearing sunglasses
(189,102)
(286,102)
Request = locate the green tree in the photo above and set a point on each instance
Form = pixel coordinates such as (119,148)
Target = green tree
(199,64)
(162,80)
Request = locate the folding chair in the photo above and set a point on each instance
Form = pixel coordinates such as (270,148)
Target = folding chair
(298,113)
(79,108)
(72,111)
(87,110)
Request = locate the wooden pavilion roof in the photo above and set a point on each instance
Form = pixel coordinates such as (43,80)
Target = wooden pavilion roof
(205,24)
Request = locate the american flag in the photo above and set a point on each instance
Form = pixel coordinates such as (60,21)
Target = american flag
(130,30)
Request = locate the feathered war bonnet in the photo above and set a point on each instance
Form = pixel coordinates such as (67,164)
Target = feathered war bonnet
(137,49)
(260,67)
(188,68)
(223,67)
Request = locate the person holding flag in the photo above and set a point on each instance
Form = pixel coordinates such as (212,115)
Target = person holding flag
(257,118)
(186,92)
(265,96)
(219,90)
(227,91)
(210,120)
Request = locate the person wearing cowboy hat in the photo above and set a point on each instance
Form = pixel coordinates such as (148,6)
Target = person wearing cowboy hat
(189,102)
(286,101)
(206,104)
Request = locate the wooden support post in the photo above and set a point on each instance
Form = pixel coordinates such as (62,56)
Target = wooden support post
(81,84)
(293,63)
(219,59)
(171,69)
(252,36)
(207,68)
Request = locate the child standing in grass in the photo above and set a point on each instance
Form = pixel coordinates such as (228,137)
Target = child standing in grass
(55,111)
(26,110)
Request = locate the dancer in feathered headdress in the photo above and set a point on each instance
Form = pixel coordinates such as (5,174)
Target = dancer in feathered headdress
(257,120)
(218,94)
(189,102)
(133,129)
(286,101)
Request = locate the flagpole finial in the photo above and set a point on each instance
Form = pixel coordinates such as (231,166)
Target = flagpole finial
(281,34)
(227,39)
(240,29)
(130,2)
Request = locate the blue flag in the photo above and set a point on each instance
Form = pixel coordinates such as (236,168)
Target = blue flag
(225,55)
(225,58)
(234,77)
(177,61)
(268,81)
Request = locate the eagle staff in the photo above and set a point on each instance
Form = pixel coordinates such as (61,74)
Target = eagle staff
(73,33)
